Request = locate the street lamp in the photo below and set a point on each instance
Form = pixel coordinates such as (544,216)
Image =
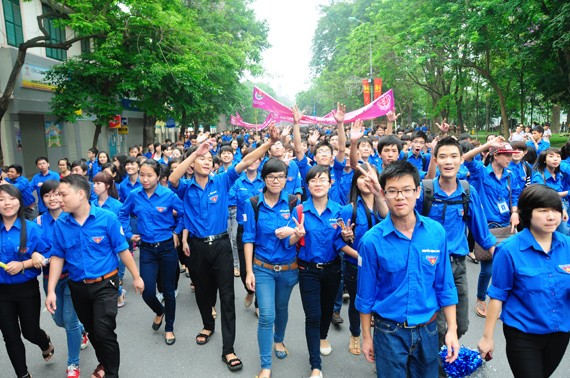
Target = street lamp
(370,73)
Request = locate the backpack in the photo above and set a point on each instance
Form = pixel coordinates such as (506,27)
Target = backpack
(292,200)
(429,199)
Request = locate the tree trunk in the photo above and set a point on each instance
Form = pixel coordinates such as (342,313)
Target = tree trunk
(148,129)
(96,134)
(555,125)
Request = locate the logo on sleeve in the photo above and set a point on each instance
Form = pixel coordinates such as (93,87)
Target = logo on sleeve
(565,267)
(432,259)
(160,209)
(97,239)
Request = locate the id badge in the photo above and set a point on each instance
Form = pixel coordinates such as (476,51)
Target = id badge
(503,208)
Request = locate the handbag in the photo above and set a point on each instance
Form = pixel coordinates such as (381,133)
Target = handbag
(501,234)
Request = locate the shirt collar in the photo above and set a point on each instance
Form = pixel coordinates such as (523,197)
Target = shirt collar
(309,205)
(389,226)
(437,189)
(282,197)
(17,224)
(527,241)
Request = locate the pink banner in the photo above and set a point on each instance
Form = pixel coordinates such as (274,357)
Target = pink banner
(238,121)
(375,109)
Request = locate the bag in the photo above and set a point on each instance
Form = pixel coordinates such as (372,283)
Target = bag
(429,199)
(501,234)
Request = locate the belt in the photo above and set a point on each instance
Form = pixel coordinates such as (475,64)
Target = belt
(211,238)
(405,323)
(276,268)
(320,265)
(456,258)
(154,245)
(99,279)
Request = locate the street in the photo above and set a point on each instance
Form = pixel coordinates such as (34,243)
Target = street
(144,353)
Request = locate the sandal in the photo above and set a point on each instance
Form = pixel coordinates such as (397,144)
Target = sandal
(48,353)
(231,363)
(481,309)
(204,336)
(236,272)
(354,345)
(99,372)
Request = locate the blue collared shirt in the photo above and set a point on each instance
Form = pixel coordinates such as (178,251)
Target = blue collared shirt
(455,226)
(90,250)
(344,183)
(47,224)
(304,167)
(268,247)
(534,286)
(542,145)
(323,241)
(156,221)
(206,209)
(10,250)
(361,224)
(111,204)
(519,174)
(405,279)
(37,182)
(93,169)
(552,182)
(421,162)
(25,189)
(240,192)
(494,193)
(126,187)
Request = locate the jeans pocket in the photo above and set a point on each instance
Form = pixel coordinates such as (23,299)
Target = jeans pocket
(431,328)
(385,327)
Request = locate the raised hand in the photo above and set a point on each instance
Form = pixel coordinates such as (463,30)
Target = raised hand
(274,134)
(340,112)
(392,116)
(356,130)
(299,229)
(444,127)
(297,115)
(370,179)
(286,131)
(205,147)
(314,138)
(202,137)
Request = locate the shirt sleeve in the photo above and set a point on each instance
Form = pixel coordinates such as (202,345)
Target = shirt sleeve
(116,235)
(249,226)
(475,168)
(537,178)
(179,207)
(445,290)
(181,189)
(503,275)
(125,216)
(367,275)
(516,190)
(477,221)
(56,246)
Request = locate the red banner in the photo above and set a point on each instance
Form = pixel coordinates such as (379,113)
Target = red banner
(366,91)
(377,87)
(115,123)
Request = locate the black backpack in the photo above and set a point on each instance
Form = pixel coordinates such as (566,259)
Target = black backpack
(429,199)
(292,200)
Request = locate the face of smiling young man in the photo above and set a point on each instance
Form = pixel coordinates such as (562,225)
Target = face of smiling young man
(448,161)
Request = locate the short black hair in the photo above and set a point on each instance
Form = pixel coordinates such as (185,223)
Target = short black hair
(94,151)
(397,169)
(132,159)
(226,148)
(316,171)
(537,196)
(48,186)
(389,140)
(538,129)
(273,165)
(80,163)
(17,167)
(447,141)
(79,183)
(420,134)
(365,140)
(324,143)
(41,158)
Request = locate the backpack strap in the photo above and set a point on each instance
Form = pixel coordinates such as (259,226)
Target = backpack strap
(466,198)
(428,196)
(255,203)
(292,200)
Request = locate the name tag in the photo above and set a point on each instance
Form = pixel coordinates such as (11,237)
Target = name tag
(503,208)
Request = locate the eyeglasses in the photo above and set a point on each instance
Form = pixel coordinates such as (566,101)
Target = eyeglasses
(275,178)
(322,180)
(393,193)
(52,195)
(324,151)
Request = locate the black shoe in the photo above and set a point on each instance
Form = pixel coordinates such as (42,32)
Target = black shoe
(156,326)
(336,319)
(170,341)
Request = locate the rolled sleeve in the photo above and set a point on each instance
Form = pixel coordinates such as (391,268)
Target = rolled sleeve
(249,226)
(503,275)
(367,273)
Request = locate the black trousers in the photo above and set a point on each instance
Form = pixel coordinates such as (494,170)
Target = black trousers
(241,255)
(96,307)
(20,307)
(534,356)
(212,269)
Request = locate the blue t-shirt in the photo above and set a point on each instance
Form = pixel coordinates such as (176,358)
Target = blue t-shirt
(37,182)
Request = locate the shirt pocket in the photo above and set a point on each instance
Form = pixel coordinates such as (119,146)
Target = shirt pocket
(529,280)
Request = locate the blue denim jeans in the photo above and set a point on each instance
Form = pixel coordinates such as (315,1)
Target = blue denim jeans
(273,290)
(318,292)
(401,352)
(350,278)
(165,258)
(66,317)
(340,291)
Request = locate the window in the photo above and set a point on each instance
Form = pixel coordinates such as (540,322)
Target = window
(14,33)
(85,46)
(57,35)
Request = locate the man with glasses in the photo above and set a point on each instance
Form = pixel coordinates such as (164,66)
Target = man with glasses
(404,278)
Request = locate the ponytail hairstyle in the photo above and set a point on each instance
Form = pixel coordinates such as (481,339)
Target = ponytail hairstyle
(12,191)
(107,179)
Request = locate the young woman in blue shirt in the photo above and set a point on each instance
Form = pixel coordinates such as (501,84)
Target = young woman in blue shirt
(153,205)
(319,262)
(531,287)
(272,271)
(22,250)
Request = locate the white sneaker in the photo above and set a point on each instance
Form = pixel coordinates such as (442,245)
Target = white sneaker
(175,293)
(326,350)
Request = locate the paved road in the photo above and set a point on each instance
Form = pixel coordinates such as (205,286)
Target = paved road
(144,353)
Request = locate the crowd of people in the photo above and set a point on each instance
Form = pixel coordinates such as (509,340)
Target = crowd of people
(385,216)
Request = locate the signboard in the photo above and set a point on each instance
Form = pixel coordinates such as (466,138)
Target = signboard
(34,77)
(123,130)
(54,134)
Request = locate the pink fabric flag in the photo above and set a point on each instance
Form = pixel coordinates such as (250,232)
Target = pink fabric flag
(238,121)
(377,108)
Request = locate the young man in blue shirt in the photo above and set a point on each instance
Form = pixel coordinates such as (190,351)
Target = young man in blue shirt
(404,279)
(205,199)
(88,239)
(536,141)
(15,178)
(42,176)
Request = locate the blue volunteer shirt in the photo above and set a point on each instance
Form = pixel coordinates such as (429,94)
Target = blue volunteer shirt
(268,247)
(293,185)
(344,180)
(206,209)
(542,145)
(37,182)
(404,279)
(127,187)
(111,204)
(555,182)
(334,192)
(10,250)
(421,162)
(156,221)
(91,249)
(519,174)
(454,225)
(361,224)
(47,223)
(25,189)
(240,192)
(93,168)
(494,193)
(323,241)
(533,285)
